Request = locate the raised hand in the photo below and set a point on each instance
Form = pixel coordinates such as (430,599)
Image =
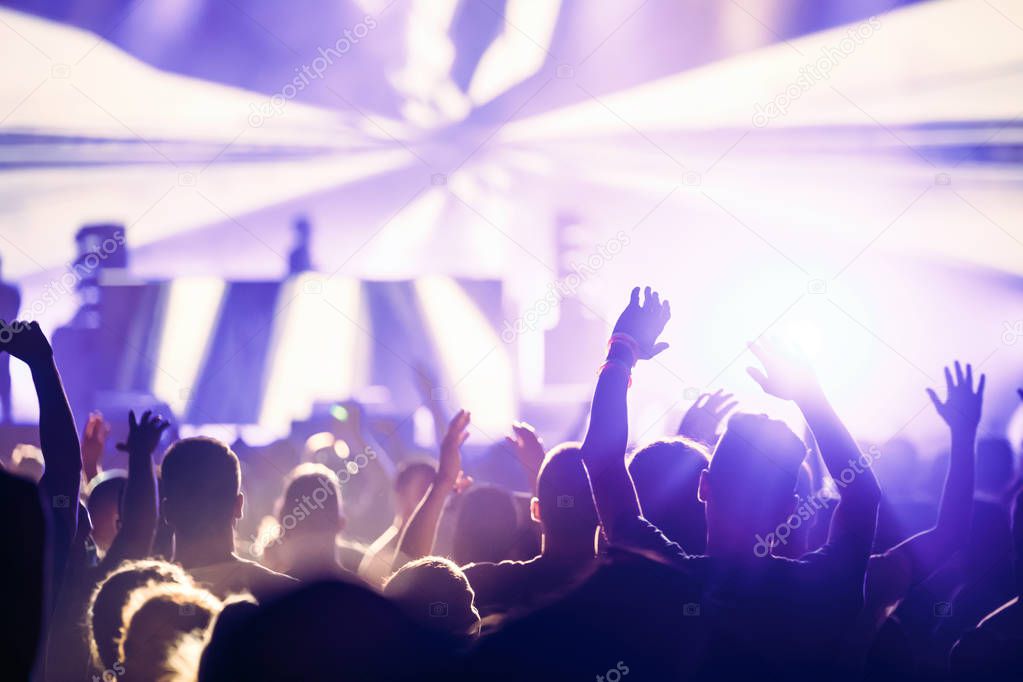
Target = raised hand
(93,444)
(527,447)
(701,420)
(1020,392)
(449,468)
(961,409)
(644,323)
(25,341)
(786,373)
(143,436)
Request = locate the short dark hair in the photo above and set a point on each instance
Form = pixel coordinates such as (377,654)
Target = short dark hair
(421,586)
(317,483)
(200,479)
(563,489)
(757,458)
(411,468)
(666,474)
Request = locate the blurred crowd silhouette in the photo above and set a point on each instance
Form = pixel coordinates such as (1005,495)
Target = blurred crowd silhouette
(730,549)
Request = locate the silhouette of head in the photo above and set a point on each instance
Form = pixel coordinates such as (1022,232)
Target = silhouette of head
(414,478)
(156,619)
(311,504)
(104,504)
(434,592)
(666,474)
(995,465)
(564,501)
(486,526)
(106,605)
(301,227)
(201,485)
(749,486)
(370,638)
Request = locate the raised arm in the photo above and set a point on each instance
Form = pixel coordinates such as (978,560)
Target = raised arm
(138,519)
(961,412)
(421,529)
(94,441)
(787,375)
(527,447)
(58,437)
(603,450)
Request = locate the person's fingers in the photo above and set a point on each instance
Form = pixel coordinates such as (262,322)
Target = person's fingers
(132,422)
(646,296)
(701,400)
(656,297)
(666,311)
(634,297)
(980,385)
(959,373)
(948,381)
(658,348)
(758,351)
(726,408)
(758,376)
(934,399)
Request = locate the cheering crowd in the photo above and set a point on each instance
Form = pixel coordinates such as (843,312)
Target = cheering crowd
(732,548)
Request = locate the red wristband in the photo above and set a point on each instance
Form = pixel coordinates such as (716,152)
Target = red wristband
(620,365)
(627,341)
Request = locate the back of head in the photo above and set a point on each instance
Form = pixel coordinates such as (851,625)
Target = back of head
(325,630)
(104,504)
(667,477)
(995,465)
(156,619)
(413,479)
(106,605)
(434,592)
(564,494)
(200,482)
(311,504)
(753,472)
(486,526)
